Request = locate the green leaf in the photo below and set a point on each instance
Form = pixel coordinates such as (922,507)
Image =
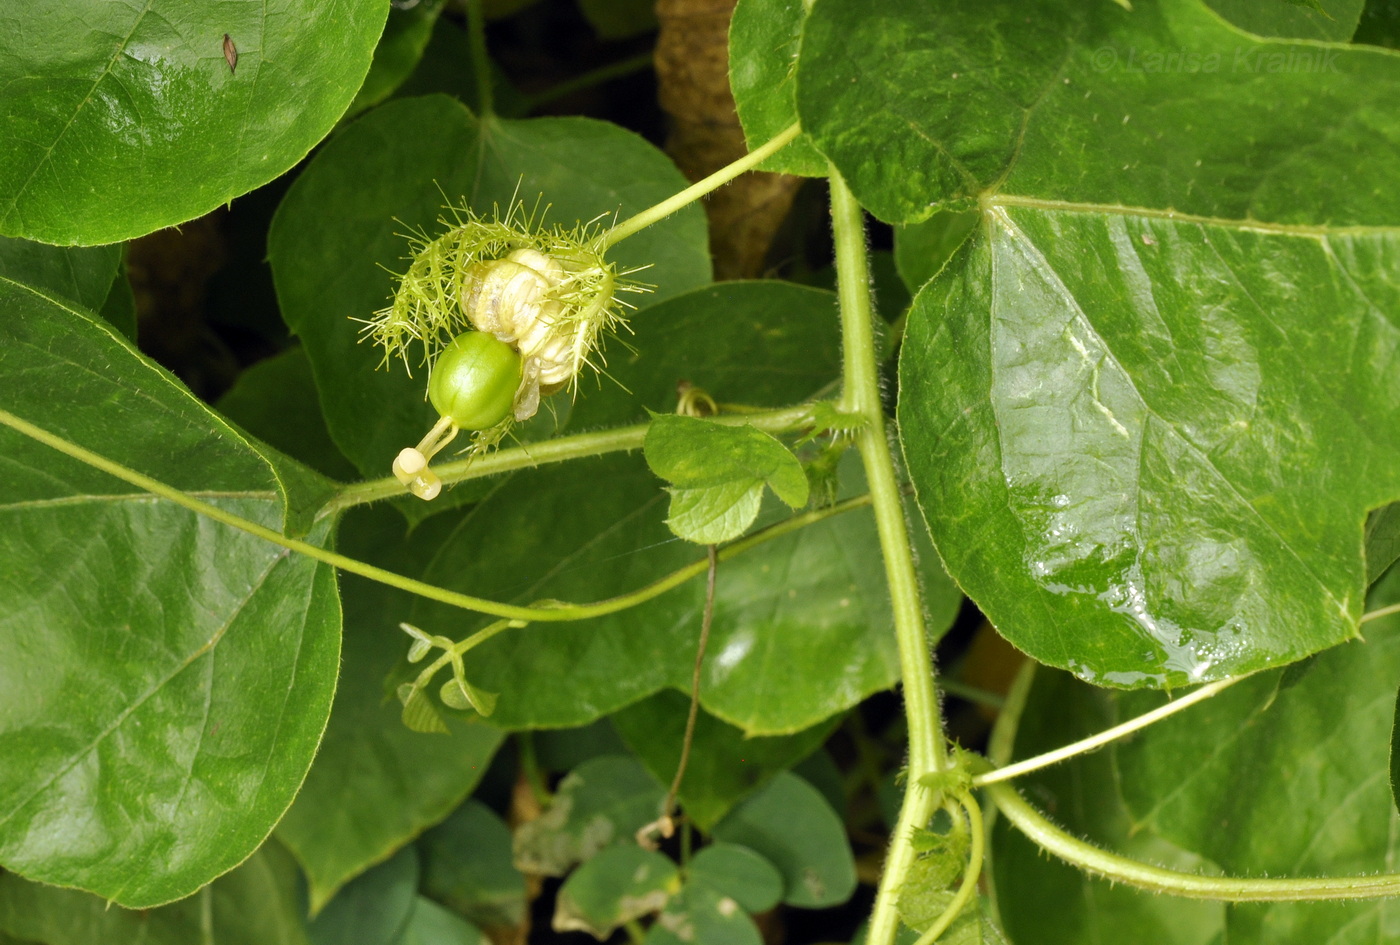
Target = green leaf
(1118,410)
(401,47)
(1283,775)
(256,904)
(119,308)
(336,239)
(702,915)
(376,784)
(1302,19)
(1083,796)
(81,275)
(448,66)
(618,885)
(717,473)
(763,40)
(602,802)
(163,719)
(922,249)
(431,924)
(789,824)
(372,909)
(138,104)
(275,400)
(467,865)
(724,766)
(739,873)
(1382,541)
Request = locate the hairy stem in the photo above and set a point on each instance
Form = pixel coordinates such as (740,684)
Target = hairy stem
(1099,739)
(544,612)
(1120,869)
(695,191)
(861,396)
(968,888)
(577,446)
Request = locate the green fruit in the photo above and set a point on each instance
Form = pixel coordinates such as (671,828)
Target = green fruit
(474,380)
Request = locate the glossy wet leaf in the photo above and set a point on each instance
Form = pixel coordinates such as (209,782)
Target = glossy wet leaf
(1284,775)
(1083,796)
(1118,406)
(376,785)
(618,885)
(467,865)
(702,915)
(791,825)
(602,802)
(763,41)
(374,908)
(431,924)
(256,904)
(739,873)
(337,238)
(170,708)
(140,105)
(717,474)
(724,766)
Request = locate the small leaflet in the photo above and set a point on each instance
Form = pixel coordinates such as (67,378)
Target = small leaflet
(230,54)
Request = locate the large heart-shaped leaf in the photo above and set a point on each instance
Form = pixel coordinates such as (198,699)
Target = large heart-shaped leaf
(1149,405)
(164,680)
(166,109)
(339,236)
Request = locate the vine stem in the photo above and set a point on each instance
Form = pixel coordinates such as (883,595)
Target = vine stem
(1090,858)
(1099,739)
(860,396)
(553,612)
(968,887)
(695,191)
(577,446)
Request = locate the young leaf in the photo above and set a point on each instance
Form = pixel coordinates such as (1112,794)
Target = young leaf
(618,885)
(789,824)
(1119,411)
(724,765)
(467,865)
(258,903)
(139,105)
(717,473)
(376,784)
(600,803)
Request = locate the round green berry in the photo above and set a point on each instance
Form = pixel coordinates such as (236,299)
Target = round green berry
(474,380)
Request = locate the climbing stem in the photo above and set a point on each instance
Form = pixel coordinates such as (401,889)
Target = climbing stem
(968,888)
(552,611)
(557,450)
(1120,869)
(695,191)
(1099,739)
(860,395)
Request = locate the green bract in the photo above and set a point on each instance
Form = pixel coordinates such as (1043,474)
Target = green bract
(474,380)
